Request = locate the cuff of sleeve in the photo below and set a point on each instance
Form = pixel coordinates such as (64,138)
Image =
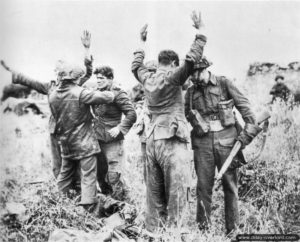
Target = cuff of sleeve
(139,51)
(88,60)
(15,77)
(202,39)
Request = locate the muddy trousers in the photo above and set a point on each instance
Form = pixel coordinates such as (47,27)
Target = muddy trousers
(57,161)
(210,152)
(112,156)
(165,181)
(88,167)
(56,155)
(143,159)
(102,169)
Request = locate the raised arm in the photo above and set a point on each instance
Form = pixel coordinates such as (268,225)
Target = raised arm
(180,75)
(86,42)
(187,107)
(140,72)
(96,97)
(88,58)
(138,68)
(19,78)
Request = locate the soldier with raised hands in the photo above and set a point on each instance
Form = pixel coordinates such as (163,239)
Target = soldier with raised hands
(71,122)
(47,87)
(167,132)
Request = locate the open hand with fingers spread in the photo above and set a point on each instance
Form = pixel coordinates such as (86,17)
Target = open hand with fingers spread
(86,39)
(143,33)
(196,20)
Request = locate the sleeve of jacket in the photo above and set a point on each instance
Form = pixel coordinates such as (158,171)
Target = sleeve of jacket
(241,102)
(88,71)
(187,107)
(180,75)
(123,102)
(140,72)
(196,51)
(40,87)
(96,97)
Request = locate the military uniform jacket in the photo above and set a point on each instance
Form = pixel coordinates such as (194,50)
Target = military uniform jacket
(109,116)
(205,99)
(47,87)
(70,107)
(163,92)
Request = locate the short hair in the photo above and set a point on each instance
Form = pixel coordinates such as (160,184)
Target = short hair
(166,57)
(106,71)
(279,77)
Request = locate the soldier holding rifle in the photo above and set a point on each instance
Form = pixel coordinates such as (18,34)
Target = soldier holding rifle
(209,106)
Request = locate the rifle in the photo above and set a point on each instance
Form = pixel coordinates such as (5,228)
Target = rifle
(263,118)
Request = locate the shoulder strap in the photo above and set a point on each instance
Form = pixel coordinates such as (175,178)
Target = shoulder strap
(224,92)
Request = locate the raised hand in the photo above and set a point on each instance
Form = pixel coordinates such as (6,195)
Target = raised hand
(4,65)
(86,39)
(196,20)
(143,33)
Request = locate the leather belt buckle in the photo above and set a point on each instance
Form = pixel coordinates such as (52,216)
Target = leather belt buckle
(214,117)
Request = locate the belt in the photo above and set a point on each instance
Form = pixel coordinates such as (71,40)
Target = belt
(215,125)
(213,117)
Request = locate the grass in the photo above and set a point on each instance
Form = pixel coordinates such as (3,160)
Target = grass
(268,187)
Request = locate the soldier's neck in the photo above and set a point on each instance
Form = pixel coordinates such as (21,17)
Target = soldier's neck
(165,67)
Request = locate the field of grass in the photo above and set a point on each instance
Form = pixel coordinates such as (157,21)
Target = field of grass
(269,187)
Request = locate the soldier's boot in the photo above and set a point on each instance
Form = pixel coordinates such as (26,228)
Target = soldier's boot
(106,189)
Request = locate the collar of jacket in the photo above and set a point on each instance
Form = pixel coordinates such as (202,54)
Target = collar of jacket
(212,79)
(164,69)
(63,85)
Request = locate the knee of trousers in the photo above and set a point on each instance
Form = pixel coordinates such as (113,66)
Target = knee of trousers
(204,187)
(230,185)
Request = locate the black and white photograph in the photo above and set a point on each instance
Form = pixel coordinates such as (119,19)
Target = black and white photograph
(149,121)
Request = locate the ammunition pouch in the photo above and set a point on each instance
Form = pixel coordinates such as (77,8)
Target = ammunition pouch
(226,113)
(200,126)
